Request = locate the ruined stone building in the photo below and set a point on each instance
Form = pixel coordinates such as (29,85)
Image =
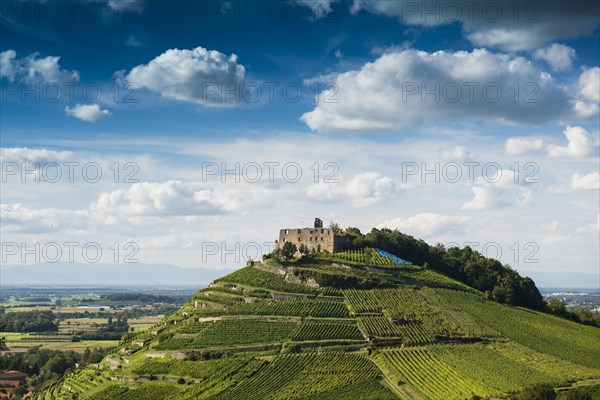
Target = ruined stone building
(317,237)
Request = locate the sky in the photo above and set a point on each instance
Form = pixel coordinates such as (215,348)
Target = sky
(189,132)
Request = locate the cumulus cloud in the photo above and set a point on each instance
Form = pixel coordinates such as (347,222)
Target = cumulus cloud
(34,69)
(511,26)
(87,112)
(505,189)
(458,153)
(581,144)
(20,218)
(588,84)
(160,199)
(393,92)
(589,181)
(558,56)
(201,76)
(427,225)
(522,145)
(363,189)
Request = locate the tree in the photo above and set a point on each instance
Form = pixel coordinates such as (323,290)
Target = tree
(539,391)
(303,249)
(578,394)
(288,251)
(556,307)
(335,227)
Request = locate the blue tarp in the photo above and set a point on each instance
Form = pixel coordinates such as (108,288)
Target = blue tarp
(395,259)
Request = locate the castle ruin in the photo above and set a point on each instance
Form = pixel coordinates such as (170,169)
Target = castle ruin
(317,238)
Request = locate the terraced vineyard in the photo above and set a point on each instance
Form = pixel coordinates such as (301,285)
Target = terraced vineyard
(545,333)
(300,308)
(429,375)
(297,376)
(265,333)
(367,256)
(230,332)
(327,330)
(204,370)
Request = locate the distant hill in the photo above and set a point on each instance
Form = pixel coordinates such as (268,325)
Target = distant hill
(75,274)
(345,325)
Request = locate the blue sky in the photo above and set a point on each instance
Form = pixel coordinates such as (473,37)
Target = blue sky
(513,86)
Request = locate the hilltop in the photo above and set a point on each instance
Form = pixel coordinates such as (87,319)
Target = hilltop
(372,322)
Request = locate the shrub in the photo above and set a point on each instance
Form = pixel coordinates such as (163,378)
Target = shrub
(539,391)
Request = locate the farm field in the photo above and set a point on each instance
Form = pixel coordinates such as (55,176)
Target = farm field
(25,341)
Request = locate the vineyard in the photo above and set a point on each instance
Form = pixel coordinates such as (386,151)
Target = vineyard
(300,308)
(395,259)
(231,332)
(204,370)
(429,375)
(367,256)
(412,334)
(461,358)
(428,277)
(297,376)
(327,330)
(545,333)
(406,314)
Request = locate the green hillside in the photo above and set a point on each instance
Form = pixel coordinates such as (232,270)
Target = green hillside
(345,325)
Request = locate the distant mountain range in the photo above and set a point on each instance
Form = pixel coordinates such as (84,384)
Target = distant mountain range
(75,274)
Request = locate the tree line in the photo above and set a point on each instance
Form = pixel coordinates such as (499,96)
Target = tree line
(500,282)
(28,321)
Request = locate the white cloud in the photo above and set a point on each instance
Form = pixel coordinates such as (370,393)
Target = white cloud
(127,5)
(201,76)
(363,189)
(34,69)
(459,153)
(24,154)
(505,189)
(589,84)
(511,26)
(390,94)
(589,181)
(559,56)
(427,225)
(167,233)
(19,218)
(484,199)
(171,198)
(588,102)
(581,144)
(87,112)
(591,228)
(320,8)
(160,199)
(522,145)
(133,41)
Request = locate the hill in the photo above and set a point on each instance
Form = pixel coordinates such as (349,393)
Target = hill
(357,324)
